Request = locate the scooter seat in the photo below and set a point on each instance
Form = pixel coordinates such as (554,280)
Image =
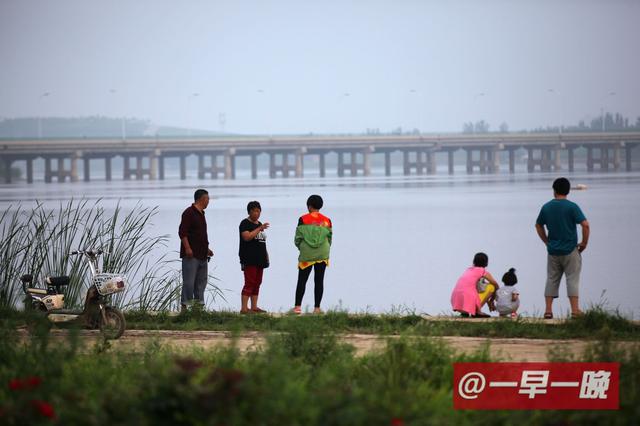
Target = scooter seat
(36,291)
(58,281)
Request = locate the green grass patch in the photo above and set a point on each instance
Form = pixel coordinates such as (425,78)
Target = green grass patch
(303,377)
(585,327)
(593,323)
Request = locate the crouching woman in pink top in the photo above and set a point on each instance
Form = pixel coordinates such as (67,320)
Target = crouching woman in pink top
(465,297)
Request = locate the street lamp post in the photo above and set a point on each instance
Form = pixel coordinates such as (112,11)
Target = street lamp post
(123,126)
(263,102)
(554,92)
(475,98)
(602,109)
(40,98)
(345,95)
(419,115)
(190,112)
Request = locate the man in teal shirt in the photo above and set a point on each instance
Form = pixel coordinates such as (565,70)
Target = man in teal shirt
(560,216)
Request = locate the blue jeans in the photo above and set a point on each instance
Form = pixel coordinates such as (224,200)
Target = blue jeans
(194,280)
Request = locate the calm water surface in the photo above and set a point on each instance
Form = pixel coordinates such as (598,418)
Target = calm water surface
(399,243)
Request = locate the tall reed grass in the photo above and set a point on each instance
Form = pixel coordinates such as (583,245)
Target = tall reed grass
(39,241)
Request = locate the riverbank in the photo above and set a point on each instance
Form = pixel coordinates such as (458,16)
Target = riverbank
(304,374)
(594,324)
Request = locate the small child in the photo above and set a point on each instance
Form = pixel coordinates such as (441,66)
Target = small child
(507,300)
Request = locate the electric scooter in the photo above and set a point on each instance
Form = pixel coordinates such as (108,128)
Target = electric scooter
(97,312)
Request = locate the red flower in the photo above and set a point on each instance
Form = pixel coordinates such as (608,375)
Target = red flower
(44,408)
(397,422)
(32,382)
(15,384)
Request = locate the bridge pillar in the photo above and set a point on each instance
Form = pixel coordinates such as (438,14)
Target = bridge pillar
(272,165)
(139,171)
(494,162)
(616,157)
(285,165)
(484,162)
(284,168)
(299,171)
(530,161)
(604,158)
(405,163)
(450,158)
(570,158)
(424,162)
(47,169)
(86,169)
(7,169)
(353,167)
(60,170)
(125,167)
(323,170)
(214,170)
(161,167)
(254,166)
(557,163)
(512,161)
(107,168)
(387,163)
(590,158)
(153,164)
(230,164)
(366,161)
(73,172)
(340,164)
(29,170)
(200,166)
(431,163)
(627,156)
(418,164)
(183,167)
(545,154)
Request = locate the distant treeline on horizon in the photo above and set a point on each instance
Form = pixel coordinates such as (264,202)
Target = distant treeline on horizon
(99,126)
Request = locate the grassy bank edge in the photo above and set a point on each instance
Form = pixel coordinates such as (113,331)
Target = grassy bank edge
(595,323)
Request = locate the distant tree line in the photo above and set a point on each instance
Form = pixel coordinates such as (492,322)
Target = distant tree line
(612,123)
(107,127)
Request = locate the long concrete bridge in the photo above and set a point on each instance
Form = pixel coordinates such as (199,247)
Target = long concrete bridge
(145,157)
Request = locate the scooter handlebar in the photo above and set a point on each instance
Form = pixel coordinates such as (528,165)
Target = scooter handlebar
(89,252)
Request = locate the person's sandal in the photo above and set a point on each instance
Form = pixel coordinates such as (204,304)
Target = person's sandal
(258,311)
(481,315)
(548,315)
(575,315)
(297,310)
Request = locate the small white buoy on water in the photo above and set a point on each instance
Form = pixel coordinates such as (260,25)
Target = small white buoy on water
(580,187)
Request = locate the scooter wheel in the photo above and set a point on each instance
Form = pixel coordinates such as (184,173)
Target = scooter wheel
(114,325)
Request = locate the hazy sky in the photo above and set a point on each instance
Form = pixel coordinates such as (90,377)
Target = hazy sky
(297,66)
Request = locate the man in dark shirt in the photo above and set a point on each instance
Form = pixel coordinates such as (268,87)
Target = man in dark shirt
(561,216)
(194,250)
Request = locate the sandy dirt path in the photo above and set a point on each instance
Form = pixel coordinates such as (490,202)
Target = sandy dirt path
(532,350)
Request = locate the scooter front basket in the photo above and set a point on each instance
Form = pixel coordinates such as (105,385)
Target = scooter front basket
(109,283)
